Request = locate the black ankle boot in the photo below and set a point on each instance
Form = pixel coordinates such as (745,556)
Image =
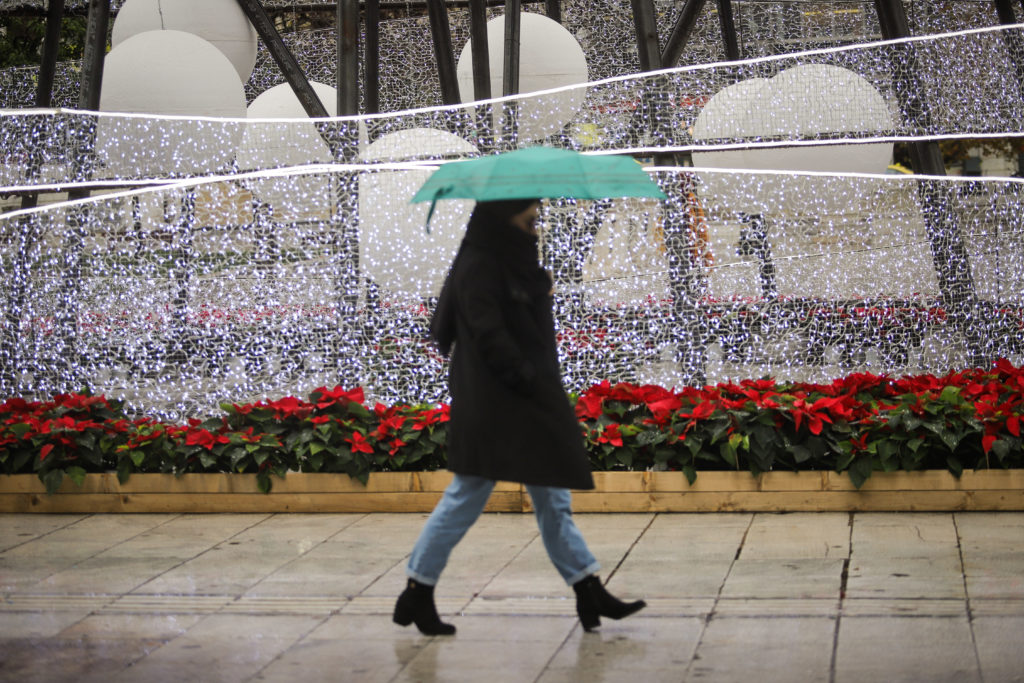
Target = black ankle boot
(593,601)
(416,603)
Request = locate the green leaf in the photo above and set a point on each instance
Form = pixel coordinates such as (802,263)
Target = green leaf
(955,466)
(77,475)
(315,448)
(691,473)
(137,457)
(860,471)
(650,436)
(843,461)
(728,453)
(886,449)
(951,395)
(124,470)
(207,458)
(235,455)
(800,453)
(52,480)
(19,429)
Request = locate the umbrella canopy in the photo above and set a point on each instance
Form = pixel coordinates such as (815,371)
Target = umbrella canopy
(538,173)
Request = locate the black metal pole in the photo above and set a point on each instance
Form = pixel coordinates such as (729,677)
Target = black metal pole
(51,45)
(949,253)
(648,48)
(348,58)
(346,192)
(553,8)
(95,51)
(510,65)
(284,58)
(371,57)
(442,35)
(480,51)
(44,89)
(728,25)
(681,31)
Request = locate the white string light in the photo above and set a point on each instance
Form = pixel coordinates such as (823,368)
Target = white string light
(192,291)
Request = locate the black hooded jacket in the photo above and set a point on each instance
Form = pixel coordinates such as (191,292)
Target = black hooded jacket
(510,417)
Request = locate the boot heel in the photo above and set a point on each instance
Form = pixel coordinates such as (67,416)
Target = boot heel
(402,617)
(587,612)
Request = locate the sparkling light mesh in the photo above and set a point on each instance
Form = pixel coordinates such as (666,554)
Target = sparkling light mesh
(244,282)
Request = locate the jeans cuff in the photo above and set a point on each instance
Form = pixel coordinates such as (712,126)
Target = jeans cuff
(420,578)
(593,568)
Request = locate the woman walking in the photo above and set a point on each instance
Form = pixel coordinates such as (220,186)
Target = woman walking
(495,309)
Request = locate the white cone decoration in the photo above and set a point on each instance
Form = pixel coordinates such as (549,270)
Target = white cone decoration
(549,57)
(175,73)
(220,22)
(394,246)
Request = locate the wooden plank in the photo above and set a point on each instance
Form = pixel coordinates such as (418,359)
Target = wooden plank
(185,503)
(294,482)
(810,501)
(616,492)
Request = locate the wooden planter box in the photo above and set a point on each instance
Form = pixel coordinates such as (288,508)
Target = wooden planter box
(616,492)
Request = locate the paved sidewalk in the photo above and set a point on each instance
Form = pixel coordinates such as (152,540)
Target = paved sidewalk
(732,597)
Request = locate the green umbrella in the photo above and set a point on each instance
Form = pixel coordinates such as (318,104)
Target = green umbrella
(538,172)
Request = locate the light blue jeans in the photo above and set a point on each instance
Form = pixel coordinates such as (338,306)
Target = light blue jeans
(461,505)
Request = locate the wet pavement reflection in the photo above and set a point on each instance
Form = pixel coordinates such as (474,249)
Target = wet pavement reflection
(830,597)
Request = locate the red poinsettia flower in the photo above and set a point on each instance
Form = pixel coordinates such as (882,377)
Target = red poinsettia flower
(388,426)
(244,409)
(395,445)
(611,434)
(815,420)
(590,406)
(359,443)
(289,406)
(202,437)
(701,410)
(1013,425)
(431,417)
(45,451)
(328,397)
(320,419)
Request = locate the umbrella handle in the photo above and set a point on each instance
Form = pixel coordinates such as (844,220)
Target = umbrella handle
(430,214)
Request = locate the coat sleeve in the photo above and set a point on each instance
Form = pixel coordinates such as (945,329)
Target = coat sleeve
(479,296)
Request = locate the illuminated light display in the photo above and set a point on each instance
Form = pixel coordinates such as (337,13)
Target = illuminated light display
(179,295)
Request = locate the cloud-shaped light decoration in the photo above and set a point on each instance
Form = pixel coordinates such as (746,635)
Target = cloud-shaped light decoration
(168,72)
(220,22)
(292,142)
(394,246)
(801,102)
(549,57)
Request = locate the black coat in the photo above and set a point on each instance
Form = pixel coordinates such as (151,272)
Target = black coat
(510,417)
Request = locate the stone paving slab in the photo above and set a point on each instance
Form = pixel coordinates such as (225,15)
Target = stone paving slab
(834,597)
